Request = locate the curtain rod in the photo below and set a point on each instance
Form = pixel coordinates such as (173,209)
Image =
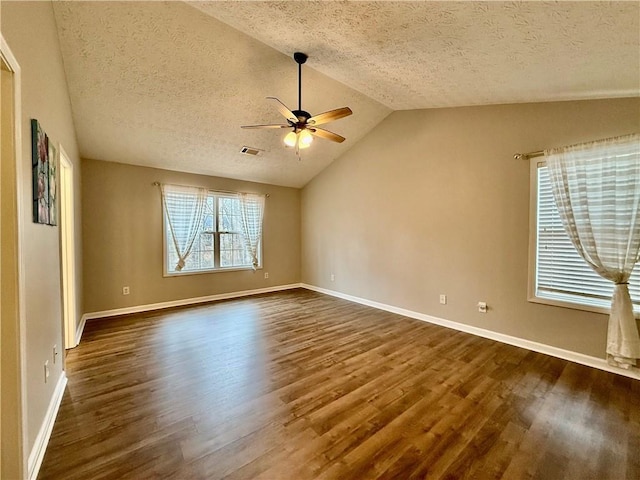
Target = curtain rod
(540,153)
(157,184)
(527,156)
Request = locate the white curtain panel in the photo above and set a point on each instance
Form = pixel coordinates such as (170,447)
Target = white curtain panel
(184,210)
(596,187)
(252,208)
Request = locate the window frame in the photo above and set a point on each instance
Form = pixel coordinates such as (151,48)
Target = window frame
(532,295)
(216,243)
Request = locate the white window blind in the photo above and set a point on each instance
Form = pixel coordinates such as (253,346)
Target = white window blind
(561,273)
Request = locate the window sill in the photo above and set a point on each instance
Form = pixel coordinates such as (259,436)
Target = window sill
(166,274)
(565,303)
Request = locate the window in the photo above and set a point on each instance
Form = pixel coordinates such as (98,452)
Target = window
(560,276)
(219,243)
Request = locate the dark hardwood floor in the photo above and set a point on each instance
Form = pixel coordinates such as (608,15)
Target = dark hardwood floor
(298,385)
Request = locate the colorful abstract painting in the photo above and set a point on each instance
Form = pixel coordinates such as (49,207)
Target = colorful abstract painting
(40,166)
(44,176)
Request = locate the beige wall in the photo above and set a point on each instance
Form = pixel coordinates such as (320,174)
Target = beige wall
(30,31)
(432,202)
(122,237)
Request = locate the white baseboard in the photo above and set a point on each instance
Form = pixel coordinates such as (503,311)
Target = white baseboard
(575,357)
(178,303)
(80,329)
(42,440)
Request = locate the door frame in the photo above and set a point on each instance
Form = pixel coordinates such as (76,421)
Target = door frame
(9,60)
(67,250)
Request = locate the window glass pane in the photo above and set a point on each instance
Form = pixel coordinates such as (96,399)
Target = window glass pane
(200,258)
(225,242)
(232,251)
(240,257)
(561,272)
(230,214)
(209,225)
(203,251)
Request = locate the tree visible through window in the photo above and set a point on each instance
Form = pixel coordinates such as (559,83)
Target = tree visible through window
(220,242)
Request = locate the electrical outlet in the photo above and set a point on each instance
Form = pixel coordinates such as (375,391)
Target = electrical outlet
(482,307)
(46,371)
(333,277)
(443,299)
(266,275)
(55,353)
(125,290)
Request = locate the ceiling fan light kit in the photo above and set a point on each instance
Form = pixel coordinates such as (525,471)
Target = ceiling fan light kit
(290,139)
(304,126)
(304,138)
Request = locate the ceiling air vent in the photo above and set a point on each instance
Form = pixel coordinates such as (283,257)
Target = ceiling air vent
(250,151)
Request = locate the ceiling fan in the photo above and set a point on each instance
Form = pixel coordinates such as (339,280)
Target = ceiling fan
(304,126)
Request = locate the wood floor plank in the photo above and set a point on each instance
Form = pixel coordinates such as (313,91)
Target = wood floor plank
(298,385)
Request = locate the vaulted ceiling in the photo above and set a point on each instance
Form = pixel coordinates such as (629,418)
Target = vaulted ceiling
(168,84)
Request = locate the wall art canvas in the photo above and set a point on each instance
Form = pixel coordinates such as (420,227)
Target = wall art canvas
(52,182)
(40,166)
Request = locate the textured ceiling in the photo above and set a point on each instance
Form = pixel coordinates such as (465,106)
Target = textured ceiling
(164,85)
(167,85)
(425,54)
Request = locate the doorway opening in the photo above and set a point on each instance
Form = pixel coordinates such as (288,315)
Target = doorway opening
(67,249)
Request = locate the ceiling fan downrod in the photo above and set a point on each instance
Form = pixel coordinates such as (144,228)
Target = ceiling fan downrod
(300,58)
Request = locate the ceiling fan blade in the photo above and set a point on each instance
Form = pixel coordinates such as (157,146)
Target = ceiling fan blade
(284,110)
(326,134)
(329,116)
(266,126)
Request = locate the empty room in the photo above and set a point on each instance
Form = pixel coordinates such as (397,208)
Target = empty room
(330,240)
